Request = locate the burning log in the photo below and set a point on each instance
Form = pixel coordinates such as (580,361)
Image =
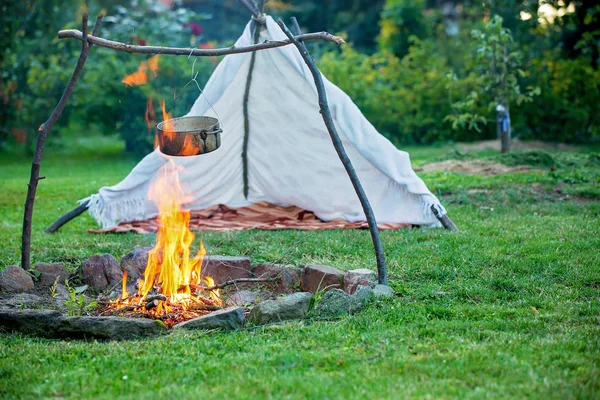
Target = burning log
(151,304)
(154,297)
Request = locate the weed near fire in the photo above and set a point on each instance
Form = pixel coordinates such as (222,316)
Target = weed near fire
(507,307)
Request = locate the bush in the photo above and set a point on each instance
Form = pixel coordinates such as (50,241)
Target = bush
(406,98)
(567,109)
(40,73)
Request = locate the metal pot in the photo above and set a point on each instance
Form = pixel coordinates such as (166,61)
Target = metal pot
(189,136)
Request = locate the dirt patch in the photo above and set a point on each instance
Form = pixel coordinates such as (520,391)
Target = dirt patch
(472,167)
(518,145)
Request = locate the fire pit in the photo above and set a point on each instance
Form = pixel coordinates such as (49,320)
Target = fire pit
(177,288)
(169,286)
(243,294)
(173,287)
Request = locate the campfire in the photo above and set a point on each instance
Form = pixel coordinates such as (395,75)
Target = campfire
(173,288)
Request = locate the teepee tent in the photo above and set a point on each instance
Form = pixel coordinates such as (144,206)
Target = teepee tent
(290,160)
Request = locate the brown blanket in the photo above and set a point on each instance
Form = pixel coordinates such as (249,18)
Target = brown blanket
(262,215)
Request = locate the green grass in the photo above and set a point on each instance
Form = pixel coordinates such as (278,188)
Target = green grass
(507,307)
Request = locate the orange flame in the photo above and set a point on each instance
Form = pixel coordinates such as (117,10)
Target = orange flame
(168,127)
(153,64)
(140,77)
(124,294)
(189,148)
(150,115)
(170,264)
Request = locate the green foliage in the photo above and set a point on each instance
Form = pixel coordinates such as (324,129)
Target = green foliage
(405,98)
(53,289)
(76,304)
(400,21)
(29,40)
(497,68)
(414,78)
(358,19)
(567,108)
(100,98)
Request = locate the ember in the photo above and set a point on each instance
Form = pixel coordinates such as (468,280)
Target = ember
(173,288)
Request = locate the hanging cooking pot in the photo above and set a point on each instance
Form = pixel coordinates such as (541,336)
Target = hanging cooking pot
(189,136)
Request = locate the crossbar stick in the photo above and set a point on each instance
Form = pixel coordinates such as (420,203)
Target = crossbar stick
(177,51)
(339,148)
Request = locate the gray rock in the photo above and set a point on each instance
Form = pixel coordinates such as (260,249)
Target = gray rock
(22,300)
(100,271)
(288,276)
(242,297)
(383,291)
(293,306)
(359,277)
(135,263)
(110,328)
(52,324)
(49,273)
(225,268)
(32,322)
(227,319)
(267,270)
(14,280)
(336,302)
(321,277)
(361,297)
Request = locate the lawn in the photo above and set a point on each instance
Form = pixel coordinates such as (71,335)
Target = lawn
(507,307)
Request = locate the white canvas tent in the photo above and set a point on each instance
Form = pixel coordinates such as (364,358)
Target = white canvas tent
(291,159)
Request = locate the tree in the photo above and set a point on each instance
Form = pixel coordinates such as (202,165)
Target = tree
(497,65)
(401,20)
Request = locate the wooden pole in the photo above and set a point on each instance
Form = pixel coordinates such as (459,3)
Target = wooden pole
(250,6)
(74,213)
(339,148)
(41,141)
(444,219)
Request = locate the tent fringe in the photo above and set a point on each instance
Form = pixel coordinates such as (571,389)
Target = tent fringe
(109,215)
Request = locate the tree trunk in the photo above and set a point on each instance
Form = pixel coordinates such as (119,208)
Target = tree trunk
(503,127)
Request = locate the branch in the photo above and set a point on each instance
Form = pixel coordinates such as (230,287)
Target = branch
(41,141)
(250,7)
(177,51)
(339,148)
